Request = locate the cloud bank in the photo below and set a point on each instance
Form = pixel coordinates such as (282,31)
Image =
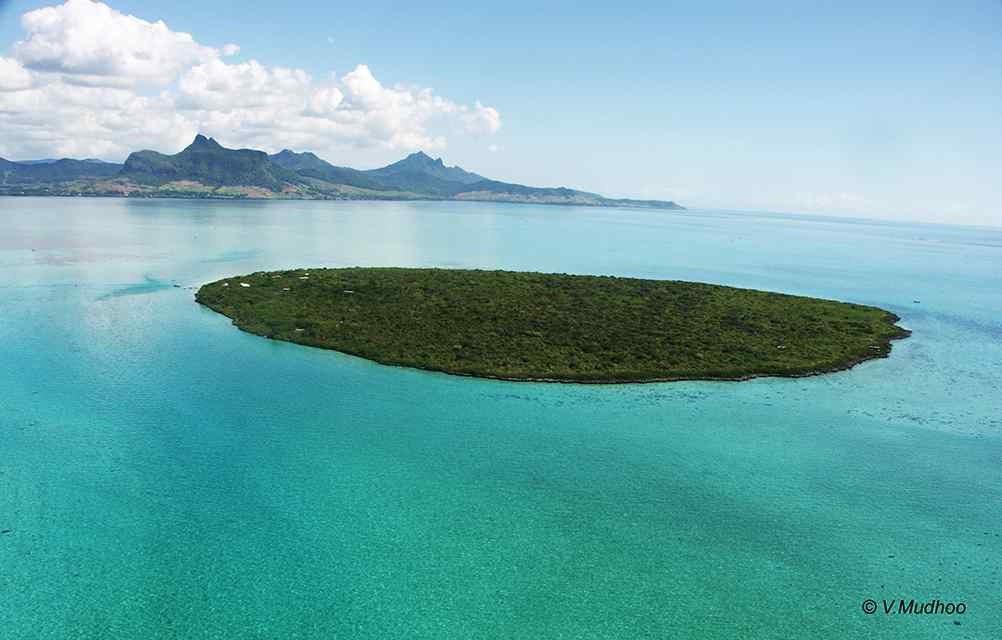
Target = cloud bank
(89,81)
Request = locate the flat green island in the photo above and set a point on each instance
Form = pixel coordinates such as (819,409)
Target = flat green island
(554,327)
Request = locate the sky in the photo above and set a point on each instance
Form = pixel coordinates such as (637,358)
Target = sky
(888,110)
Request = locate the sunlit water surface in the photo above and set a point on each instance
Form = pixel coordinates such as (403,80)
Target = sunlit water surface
(163,475)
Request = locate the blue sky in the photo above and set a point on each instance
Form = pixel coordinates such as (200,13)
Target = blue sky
(844,108)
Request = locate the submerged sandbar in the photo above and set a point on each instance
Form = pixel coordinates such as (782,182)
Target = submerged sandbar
(554,327)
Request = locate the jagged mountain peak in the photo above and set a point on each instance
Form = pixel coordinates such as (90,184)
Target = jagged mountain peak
(207,162)
(420,162)
(201,142)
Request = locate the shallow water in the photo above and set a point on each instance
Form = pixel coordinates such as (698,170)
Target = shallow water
(163,475)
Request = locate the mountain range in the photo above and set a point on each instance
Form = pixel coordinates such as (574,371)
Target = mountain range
(206,169)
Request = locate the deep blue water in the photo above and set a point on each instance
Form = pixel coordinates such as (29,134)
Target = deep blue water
(163,475)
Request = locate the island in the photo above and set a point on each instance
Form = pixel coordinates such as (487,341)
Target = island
(554,327)
(206,169)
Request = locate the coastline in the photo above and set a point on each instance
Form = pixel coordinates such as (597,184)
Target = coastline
(613,204)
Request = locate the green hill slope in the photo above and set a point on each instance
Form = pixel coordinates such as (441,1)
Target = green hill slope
(66,169)
(207,162)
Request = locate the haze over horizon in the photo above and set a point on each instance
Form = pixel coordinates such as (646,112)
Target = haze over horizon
(888,112)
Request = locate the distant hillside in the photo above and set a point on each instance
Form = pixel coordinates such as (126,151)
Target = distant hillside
(308,164)
(416,174)
(206,169)
(421,164)
(207,162)
(47,171)
(54,160)
(420,175)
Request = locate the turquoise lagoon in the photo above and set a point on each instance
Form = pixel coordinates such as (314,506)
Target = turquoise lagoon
(163,475)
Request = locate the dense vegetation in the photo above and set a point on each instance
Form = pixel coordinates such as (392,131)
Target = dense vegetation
(206,162)
(309,165)
(556,327)
(47,171)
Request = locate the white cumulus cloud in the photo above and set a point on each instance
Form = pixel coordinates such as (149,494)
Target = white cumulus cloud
(249,85)
(83,37)
(481,119)
(13,76)
(87,80)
